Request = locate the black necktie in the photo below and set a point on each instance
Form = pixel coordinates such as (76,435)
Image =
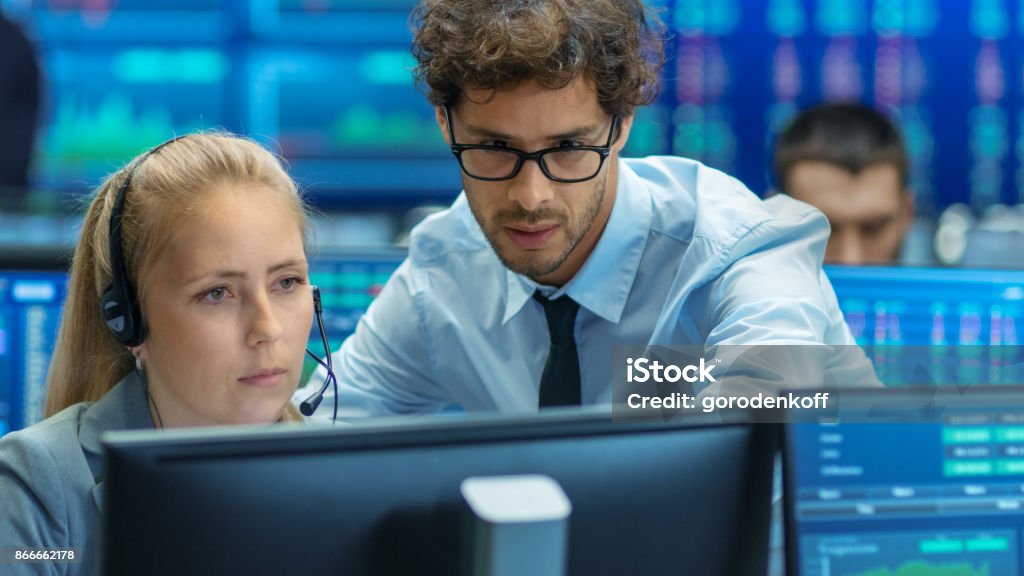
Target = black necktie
(560,383)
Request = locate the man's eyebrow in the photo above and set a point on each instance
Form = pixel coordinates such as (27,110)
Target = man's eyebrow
(875,220)
(481,132)
(583,131)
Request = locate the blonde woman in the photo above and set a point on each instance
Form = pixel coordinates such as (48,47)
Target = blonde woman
(190,306)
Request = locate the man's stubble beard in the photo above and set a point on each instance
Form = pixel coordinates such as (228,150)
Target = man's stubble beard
(530,266)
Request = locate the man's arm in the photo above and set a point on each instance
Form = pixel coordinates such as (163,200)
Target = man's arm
(775,297)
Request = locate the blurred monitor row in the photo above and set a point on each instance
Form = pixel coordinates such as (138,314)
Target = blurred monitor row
(32,294)
(959,237)
(950,322)
(329,84)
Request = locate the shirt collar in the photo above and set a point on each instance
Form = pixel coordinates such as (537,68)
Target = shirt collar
(603,284)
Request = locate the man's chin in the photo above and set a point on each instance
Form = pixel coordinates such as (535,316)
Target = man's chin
(532,263)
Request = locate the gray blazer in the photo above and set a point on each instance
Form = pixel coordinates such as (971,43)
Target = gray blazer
(51,478)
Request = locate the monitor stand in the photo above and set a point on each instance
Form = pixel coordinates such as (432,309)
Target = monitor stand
(520,525)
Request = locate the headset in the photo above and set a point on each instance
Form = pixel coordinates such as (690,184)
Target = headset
(118,304)
(122,314)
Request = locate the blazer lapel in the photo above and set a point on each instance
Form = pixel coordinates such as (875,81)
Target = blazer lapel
(124,407)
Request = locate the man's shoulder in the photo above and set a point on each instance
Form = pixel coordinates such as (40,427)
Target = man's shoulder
(452,232)
(714,206)
(684,176)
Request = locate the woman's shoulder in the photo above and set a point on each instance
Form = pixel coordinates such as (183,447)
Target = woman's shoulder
(44,446)
(78,427)
(58,428)
(46,480)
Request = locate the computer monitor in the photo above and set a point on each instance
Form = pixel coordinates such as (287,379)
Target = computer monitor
(373,499)
(349,281)
(928,326)
(930,306)
(32,293)
(912,481)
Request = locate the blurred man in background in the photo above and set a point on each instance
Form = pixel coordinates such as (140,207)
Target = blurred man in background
(850,162)
(19,108)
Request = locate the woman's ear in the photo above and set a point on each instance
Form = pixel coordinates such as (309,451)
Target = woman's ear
(140,352)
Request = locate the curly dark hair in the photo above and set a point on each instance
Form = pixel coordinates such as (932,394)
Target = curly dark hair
(617,45)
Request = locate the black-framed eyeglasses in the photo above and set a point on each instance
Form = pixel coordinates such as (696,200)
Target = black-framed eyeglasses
(561,163)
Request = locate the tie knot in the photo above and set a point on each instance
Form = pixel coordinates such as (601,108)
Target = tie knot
(561,317)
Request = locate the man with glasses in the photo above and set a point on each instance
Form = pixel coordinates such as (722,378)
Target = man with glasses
(558,250)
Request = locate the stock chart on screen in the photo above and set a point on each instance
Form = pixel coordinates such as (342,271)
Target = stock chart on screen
(931,306)
(934,326)
(328,83)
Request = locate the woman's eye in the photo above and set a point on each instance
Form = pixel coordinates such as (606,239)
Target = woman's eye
(290,283)
(495,143)
(217,294)
(570,144)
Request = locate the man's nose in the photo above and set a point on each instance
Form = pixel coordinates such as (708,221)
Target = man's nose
(530,187)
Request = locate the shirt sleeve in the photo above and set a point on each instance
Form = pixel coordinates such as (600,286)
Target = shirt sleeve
(33,509)
(385,366)
(776,299)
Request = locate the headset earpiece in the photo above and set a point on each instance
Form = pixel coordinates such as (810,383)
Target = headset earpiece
(122,316)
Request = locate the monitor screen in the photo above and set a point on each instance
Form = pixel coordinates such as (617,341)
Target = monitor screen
(936,488)
(31,302)
(372,499)
(331,81)
(928,326)
(931,306)
(349,281)
(902,316)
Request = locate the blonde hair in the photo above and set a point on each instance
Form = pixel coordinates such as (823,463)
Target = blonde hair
(167,188)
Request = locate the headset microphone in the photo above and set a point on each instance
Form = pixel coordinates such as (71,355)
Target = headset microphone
(309,405)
